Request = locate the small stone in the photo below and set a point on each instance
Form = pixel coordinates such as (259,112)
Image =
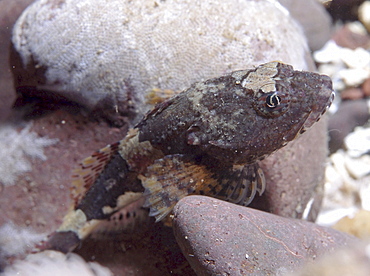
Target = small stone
(331,52)
(352,93)
(358,142)
(356,59)
(316,22)
(352,35)
(354,260)
(357,158)
(349,115)
(221,235)
(366,87)
(358,225)
(353,76)
(364,14)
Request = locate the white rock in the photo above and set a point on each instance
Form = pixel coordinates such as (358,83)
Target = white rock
(347,186)
(357,27)
(111,52)
(358,142)
(356,59)
(331,52)
(365,193)
(358,167)
(56,264)
(364,14)
(346,67)
(354,77)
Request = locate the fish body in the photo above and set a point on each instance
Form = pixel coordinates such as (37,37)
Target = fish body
(206,140)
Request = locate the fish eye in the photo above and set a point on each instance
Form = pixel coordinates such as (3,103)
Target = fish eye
(272,104)
(273,100)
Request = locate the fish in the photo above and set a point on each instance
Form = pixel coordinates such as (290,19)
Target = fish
(207,140)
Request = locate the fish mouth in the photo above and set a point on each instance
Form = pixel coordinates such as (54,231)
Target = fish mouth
(315,115)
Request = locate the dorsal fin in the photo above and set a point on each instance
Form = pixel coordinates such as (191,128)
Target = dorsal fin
(89,169)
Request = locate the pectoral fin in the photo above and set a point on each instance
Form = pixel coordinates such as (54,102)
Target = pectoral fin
(240,184)
(171,178)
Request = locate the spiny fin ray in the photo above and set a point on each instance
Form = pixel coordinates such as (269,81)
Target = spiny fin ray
(241,183)
(84,176)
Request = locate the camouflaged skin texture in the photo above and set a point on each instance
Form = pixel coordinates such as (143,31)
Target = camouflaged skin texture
(206,140)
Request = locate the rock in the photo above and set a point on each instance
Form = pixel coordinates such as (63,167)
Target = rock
(316,22)
(55,263)
(347,187)
(9,12)
(354,76)
(366,87)
(352,93)
(356,59)
(347,67)
(364,14)
(349,115)
(358,225)
(65,53)
(220,238)
(358,142)
(354,260)
(331,52)
(352,35)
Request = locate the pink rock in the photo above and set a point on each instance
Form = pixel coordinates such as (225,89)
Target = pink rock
(220,238)
(345,37)
(366,87)
(352,93)
(349,115)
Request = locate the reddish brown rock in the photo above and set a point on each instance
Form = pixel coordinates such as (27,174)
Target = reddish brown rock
(366,87)
(353,93)
(349,115)
(9,12)
(347,38)
(220,238)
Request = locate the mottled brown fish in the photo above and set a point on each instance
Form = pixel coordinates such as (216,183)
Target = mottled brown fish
(206,140)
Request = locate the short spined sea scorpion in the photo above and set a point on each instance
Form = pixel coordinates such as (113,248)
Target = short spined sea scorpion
(206,140)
